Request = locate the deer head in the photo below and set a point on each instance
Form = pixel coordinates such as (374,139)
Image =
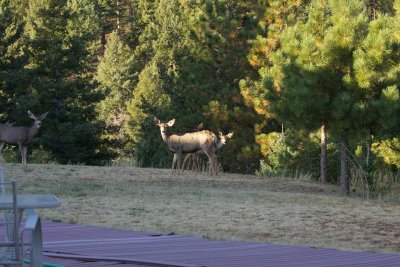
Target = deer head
(38,120)
(20,135)
(163,127)
(223,138)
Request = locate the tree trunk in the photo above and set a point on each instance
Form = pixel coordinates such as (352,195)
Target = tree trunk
(368,157)
(323,169)
(368,181)
(344,165)
(118,19)
(103,40)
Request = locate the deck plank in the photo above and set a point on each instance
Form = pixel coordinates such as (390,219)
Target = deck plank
(74,245)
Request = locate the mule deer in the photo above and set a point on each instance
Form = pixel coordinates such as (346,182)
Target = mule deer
(20,135)
(203,140)
(195,157)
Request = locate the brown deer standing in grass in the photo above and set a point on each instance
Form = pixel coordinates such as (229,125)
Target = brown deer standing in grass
(195,157)
(188,143)
(20,135)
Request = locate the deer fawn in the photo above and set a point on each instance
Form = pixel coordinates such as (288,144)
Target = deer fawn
(20,135)
(195,157)
(188,143)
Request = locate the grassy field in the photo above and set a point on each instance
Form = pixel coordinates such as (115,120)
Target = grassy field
(229,206)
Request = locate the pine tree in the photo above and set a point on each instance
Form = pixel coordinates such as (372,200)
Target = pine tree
(313,80)
(62,44)
(162,42)
(120,16)
(375,70)
(150,99)
(116,78)
(223,28)
(12,57)
(275,17)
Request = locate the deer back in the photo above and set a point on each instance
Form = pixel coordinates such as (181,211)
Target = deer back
(191,142)
(16,134)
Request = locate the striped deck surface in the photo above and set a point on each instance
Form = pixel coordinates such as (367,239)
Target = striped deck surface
(89,246)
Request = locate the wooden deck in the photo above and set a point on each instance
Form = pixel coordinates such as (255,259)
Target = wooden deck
(88,246)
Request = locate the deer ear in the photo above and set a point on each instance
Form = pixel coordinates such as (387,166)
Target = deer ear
(229,135)
(171,123)
(156,121)
(220,134)
(30,114)
(43,116)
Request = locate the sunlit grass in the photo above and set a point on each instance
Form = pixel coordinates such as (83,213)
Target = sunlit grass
(229,206)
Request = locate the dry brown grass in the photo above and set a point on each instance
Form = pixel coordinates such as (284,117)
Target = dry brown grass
(230,206)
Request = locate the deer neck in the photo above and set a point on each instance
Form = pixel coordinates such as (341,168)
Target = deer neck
(219,145)
(165,137)
(32,131)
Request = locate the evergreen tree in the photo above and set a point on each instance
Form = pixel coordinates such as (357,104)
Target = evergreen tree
(224,28)
(120,16)
(163,43)
(150,99)
(275,17)
(62,41)
(12,57)
(116,78)
(376,70)
(313,77)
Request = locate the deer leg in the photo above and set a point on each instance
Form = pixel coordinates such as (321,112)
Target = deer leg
(200,164)
(197,162)
(211,159)
(211,164)
(174,162)
(215,164)
(1,155)
(193,159)
(184,161)
(195,166)
(22,150)
(178,161)
(23,154)
(190,166)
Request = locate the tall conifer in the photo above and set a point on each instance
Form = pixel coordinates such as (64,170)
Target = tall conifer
(313,82)
(273,18)
(117,79)
(62,44)
(12,57)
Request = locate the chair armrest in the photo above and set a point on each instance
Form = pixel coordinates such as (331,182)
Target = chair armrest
(33,226)
(31,222)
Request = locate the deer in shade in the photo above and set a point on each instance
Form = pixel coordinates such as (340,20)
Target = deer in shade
(20,135)
(195,157)
(191,142)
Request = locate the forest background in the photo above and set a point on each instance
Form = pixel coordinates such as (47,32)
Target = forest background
(307,86)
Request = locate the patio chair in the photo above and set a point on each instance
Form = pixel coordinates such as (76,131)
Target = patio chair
(10,245)
(17,242)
